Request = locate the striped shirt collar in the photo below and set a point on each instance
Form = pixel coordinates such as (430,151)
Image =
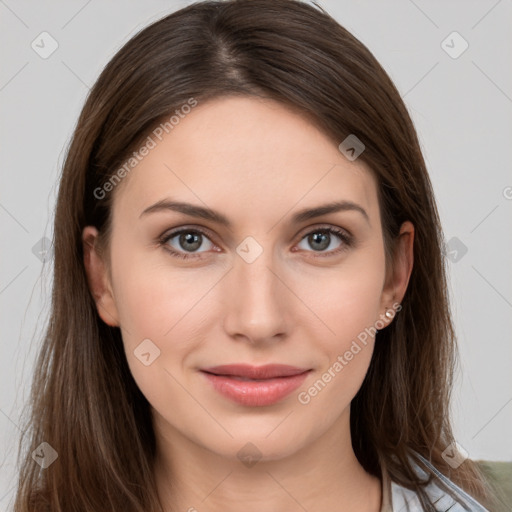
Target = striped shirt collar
(444,493)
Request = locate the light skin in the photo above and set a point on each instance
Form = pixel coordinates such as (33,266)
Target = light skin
(299,303)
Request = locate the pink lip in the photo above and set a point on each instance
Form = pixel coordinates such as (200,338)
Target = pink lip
(274,382)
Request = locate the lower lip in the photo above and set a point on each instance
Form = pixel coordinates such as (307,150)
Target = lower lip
(256,393)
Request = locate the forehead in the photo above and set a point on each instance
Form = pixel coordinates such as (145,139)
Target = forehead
(248,157)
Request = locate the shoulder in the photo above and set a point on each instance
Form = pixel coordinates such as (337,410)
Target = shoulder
(444,493)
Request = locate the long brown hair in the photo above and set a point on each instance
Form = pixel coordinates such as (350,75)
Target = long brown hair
(85,403)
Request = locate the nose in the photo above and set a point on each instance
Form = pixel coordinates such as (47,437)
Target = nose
(257,302)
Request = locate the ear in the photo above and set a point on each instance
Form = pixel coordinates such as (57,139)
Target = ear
(397,277)
(98,278)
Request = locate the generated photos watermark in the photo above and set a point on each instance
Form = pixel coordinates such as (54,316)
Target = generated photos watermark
(344,359)
(151,142)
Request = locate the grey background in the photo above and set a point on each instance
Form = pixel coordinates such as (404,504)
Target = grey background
(461,107)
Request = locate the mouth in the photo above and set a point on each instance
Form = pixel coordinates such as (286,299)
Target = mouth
(255,386)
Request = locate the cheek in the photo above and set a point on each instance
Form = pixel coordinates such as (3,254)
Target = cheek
(163,304)
(152,293)
(347,299)
(348,303)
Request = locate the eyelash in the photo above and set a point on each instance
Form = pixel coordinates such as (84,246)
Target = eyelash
(343,235)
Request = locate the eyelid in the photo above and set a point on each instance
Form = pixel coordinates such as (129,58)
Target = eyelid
(320,227)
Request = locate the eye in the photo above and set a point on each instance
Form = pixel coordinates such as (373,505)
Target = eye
(323,241)
(185,242)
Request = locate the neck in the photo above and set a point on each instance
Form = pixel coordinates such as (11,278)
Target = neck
(324,475)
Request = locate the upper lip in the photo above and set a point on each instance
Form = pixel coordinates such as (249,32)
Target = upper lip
(267,371)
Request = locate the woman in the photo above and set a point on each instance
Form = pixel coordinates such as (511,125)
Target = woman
(249,303)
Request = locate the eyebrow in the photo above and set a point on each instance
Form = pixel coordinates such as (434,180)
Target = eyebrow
(214,216)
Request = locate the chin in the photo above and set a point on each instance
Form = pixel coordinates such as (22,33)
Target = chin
(259,444)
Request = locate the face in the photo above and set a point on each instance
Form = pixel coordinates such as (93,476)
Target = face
(264,287)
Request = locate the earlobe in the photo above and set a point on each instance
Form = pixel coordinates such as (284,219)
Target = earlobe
(97,277)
